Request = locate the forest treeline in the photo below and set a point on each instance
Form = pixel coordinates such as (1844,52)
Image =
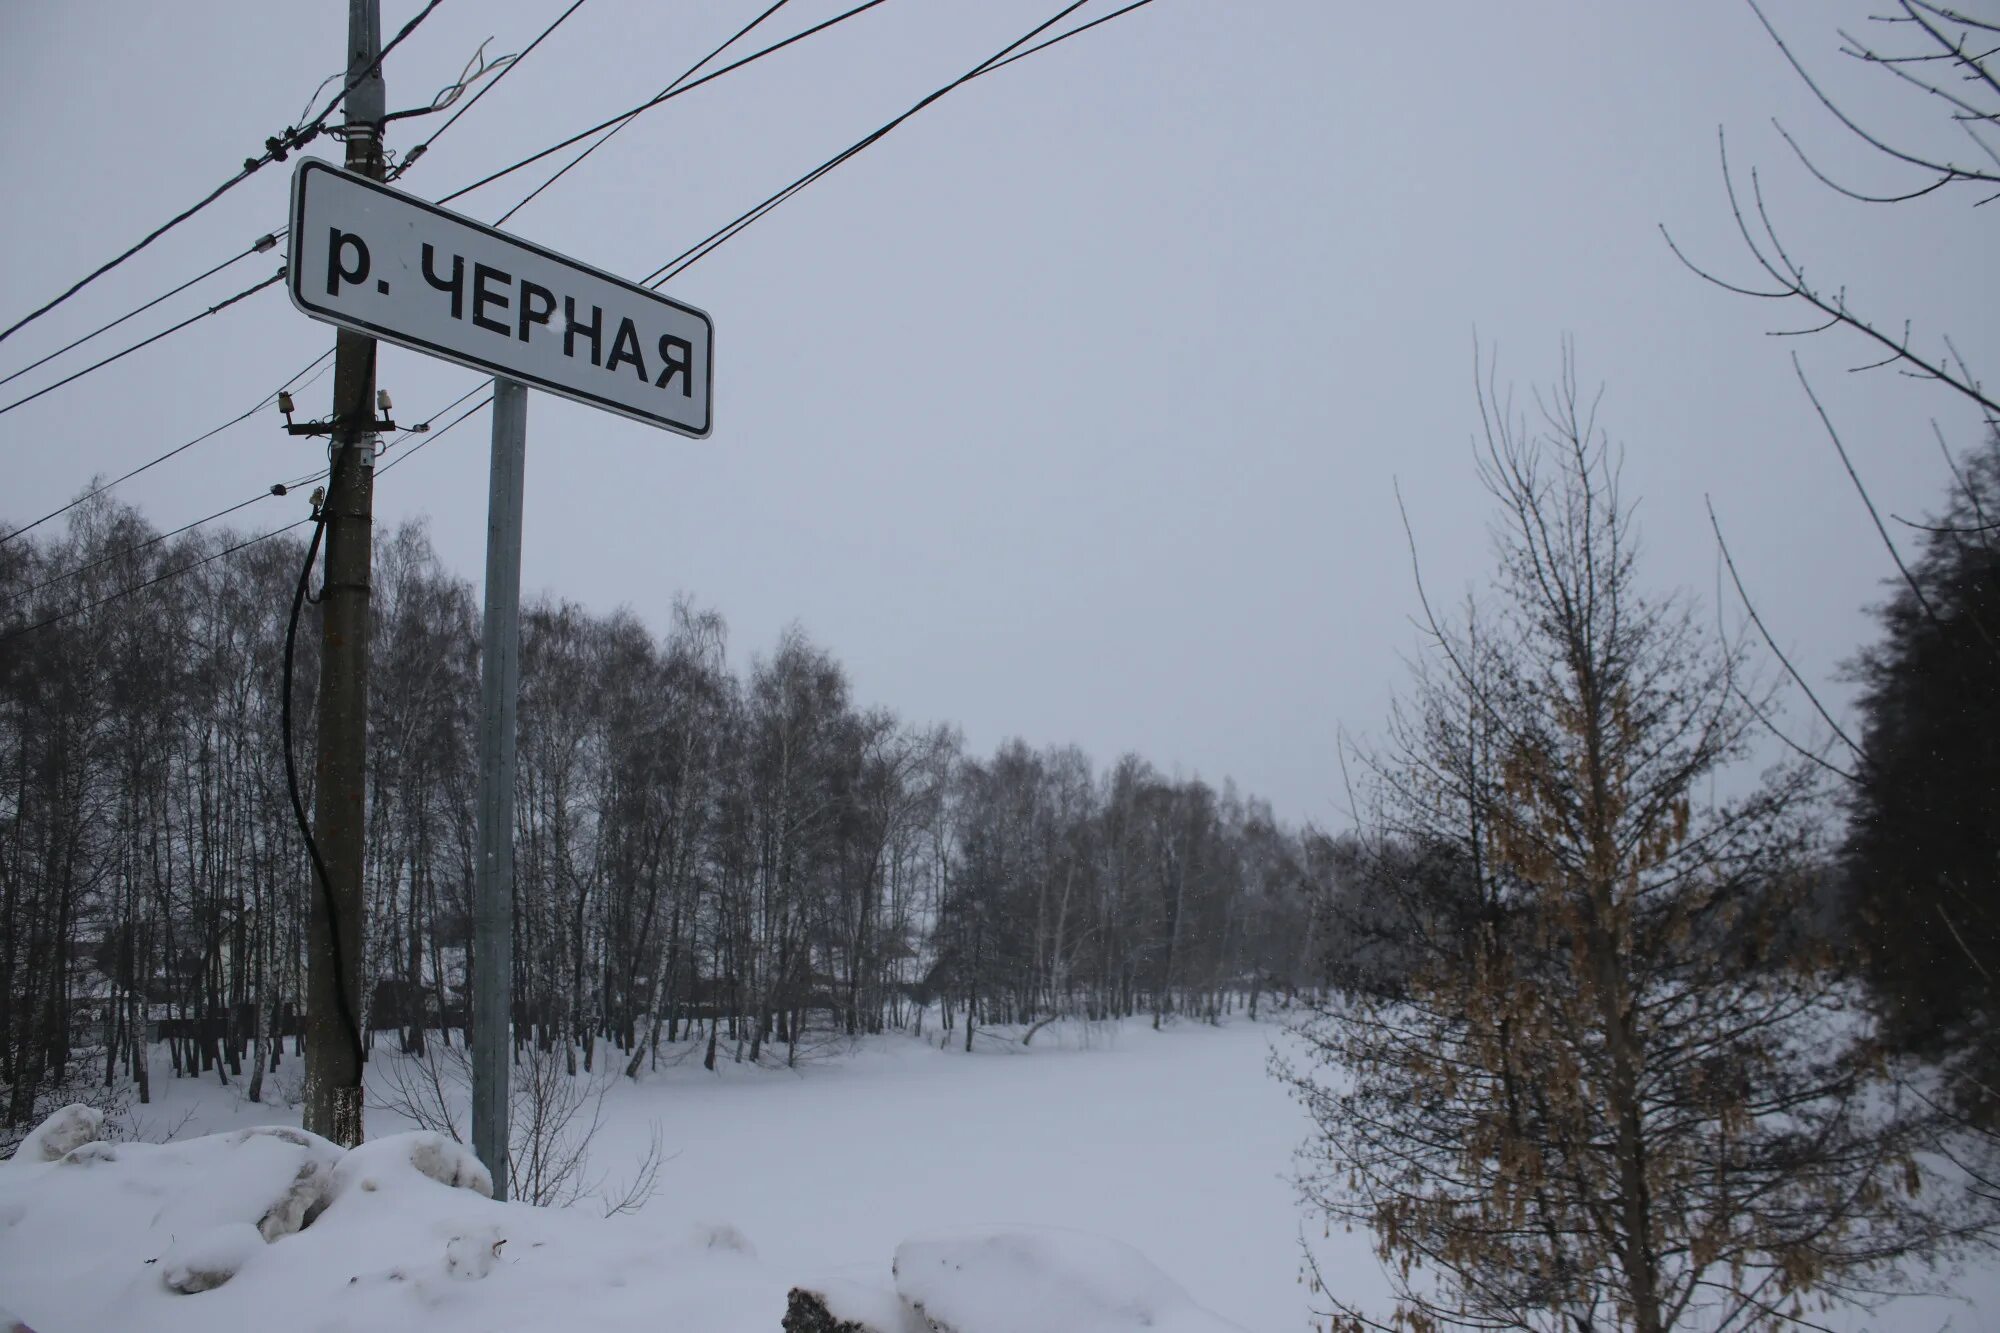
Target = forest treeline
(749,859)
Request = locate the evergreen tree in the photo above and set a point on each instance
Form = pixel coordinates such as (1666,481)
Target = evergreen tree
(1923,843)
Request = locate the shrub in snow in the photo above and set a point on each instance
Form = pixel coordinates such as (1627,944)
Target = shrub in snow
(807,1312)
(63,1132)
(207,1259)
(401,1158)
(847,1309)
(1031,1281)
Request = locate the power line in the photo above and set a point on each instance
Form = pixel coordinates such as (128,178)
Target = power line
(269,240)
(312,129)
(440,432)
(276,149)
(120,355)
(672,90)
(123,593)
(1007,55)
(133,549)
(94,492)
(652,102)
(187,527)
(375,65)
(1063,37)
(423,426)
(688,258)
(261,243)
(410,158)
(261,404)
(691,71)
(614,124)
(280,489)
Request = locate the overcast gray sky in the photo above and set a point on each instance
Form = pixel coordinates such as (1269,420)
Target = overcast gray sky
(1072,409)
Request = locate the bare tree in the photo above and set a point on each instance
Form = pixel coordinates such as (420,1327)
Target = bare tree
(702,858)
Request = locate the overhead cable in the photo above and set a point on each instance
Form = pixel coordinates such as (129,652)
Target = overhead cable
(261,243)
(121,354)
(652,102)
(269,240)
(123,593)
(1007,55)
(276,149)
(294,382)
(410,158)
(154,581)
(691,71)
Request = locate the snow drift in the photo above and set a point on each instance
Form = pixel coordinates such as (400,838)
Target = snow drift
(1033,1281)
(402,1233)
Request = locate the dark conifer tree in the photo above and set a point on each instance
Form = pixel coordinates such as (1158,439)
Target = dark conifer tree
(1923,844)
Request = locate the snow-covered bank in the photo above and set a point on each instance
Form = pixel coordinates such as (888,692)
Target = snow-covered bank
(1174,1144)
(179,1237)
(221,1231)
(979,1189)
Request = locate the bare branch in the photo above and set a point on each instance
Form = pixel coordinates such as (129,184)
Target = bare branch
(1975,70)
(1946,530)
(1811,695)
(1872,140)
(1837,187)
(1909,580)
(1970,956)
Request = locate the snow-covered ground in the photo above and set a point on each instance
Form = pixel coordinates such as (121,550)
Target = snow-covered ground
(1176,1143)
(976,1175)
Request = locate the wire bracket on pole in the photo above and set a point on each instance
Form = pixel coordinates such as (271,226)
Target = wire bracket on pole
(336,426)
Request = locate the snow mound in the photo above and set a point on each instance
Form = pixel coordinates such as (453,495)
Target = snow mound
(471,1257)
(721,1236)
(400,1235)
(62,1133)
(312,1182)
(397,1234)
(396,1161)
(148,1193)
(105,1219)
(207,1259)
(1035,1280)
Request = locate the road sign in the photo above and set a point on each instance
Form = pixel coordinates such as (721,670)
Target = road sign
(380,262)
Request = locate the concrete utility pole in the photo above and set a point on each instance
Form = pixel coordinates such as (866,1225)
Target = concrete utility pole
(499,691)
(333,961)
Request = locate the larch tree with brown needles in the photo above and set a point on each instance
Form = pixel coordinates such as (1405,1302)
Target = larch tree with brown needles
(1614,1087)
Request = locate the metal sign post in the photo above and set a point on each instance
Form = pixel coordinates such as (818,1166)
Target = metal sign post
(493,877)
(373,260)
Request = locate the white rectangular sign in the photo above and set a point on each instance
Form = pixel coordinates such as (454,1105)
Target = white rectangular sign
(377,261)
